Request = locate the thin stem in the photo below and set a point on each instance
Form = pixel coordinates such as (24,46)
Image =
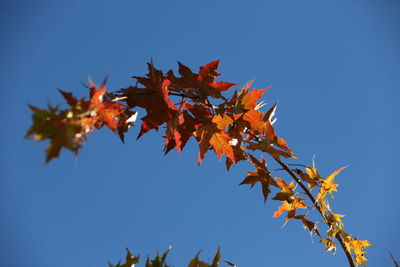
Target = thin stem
(311,197)
(280,169)
(294,164)
(178,94)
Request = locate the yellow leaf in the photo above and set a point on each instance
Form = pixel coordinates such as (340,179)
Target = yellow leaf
(290,208)
(329,245)
(328,185)
(358,247)
(333,231)
(335,218)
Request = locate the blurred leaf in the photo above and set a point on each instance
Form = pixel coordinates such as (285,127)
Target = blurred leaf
(195,262)
(130,260)
(158,261)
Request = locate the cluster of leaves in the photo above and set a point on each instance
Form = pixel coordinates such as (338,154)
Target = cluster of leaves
(192,106)
(160,261)
(68,128)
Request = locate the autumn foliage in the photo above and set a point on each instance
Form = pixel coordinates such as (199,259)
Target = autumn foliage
(190,105)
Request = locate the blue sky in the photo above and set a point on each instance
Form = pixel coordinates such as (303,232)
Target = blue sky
(333,67)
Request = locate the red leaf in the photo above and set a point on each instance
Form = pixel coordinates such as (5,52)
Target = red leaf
(179,130)
(154,98)
(199,85)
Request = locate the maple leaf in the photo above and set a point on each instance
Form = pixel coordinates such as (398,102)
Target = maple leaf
(153,98)
(102,112)
(199,86)
(179,130)
(291,208)
(238,153)
(329,245)
(195,262)
(255,122)
(312,172)
(71,100)
(312,182)
(54,124)
(68,128)
(173,135)
(258,125)
(261,175)
(358,247)
(336,218)
(311,176)
(212,133)
(328,185)
(130,260)
(246,100)
(334,230)
(158,261)
(287,191)
(266,146)
(311,226)
(280,142)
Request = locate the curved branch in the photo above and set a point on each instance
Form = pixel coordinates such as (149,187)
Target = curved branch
(311,197)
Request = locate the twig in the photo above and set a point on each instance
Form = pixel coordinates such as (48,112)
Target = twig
(394,261)
(294,164)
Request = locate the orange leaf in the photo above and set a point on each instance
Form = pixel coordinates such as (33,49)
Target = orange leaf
(261,175)
(290,207)
(103,112)
(247,100)
(212,133)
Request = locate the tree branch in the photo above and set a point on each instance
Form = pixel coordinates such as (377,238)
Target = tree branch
(311,197)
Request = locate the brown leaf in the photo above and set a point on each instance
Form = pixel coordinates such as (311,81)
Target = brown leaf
(261,175)
(266,146)
(71,100)
(306,177)
(54,124)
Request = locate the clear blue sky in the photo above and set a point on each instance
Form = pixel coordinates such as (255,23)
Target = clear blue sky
(333,66)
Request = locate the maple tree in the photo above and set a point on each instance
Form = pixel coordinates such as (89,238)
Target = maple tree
(193,106)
